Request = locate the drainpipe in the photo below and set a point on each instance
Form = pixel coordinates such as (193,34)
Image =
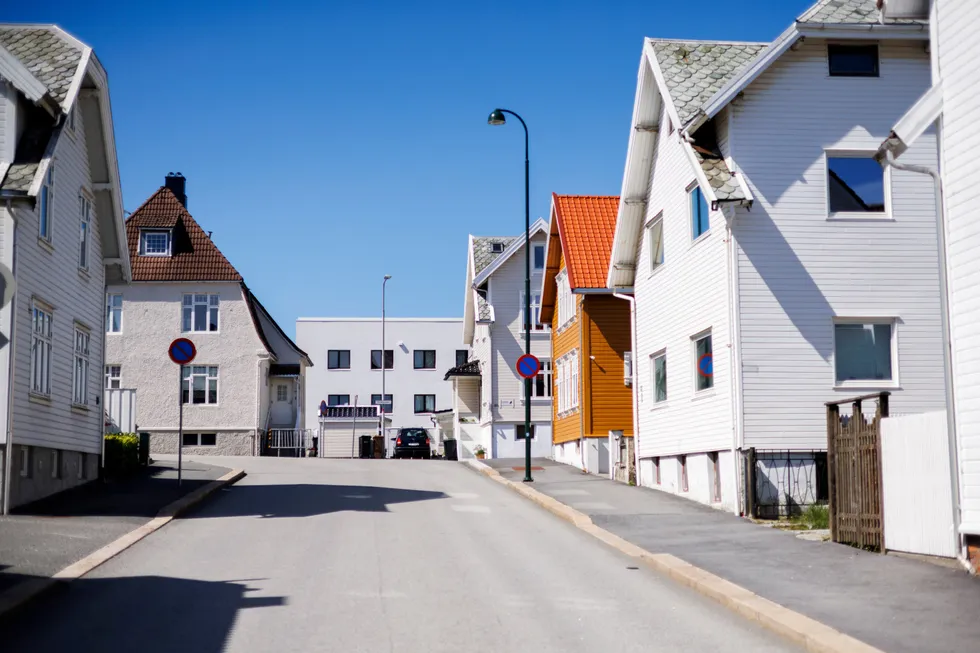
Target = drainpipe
(734,360)
(889,160)
(9,446)
(635,381)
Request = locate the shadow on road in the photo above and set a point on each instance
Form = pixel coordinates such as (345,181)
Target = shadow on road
(150,614)
(306,500)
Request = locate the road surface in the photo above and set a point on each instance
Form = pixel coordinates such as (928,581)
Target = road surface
(376,555)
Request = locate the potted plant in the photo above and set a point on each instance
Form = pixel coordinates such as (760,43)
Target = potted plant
(481,453)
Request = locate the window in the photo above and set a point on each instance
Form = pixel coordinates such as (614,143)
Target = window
(519,431)
(855,184)
(535,312)
(25,461)
(863,351)
(659,366)
(200,313)
(376,401)
(376,359)
(560,385)
(539,257)
(655,242)
(80,374)
(656,470)
(497,248)
(338,400)
(853,60)
(425,359)
(541,388)
(200,439)
(703,363)
(574,380)
(338,359)
(425,404)
(682,462)
(567,382)
(699,213)
(85,214)
(200,384)
(282,392)
(113,313)
(46,205)
(462,357)
(715,475)
(41,351)
(56,463)
(155,242)
(113,377)
(71,118)
(566,301)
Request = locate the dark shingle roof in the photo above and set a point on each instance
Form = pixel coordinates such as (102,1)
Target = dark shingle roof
(46,53)
(696,70)
(469,368)
(844,12)
(30,150)
(195,256)
(483,254)
(720,177)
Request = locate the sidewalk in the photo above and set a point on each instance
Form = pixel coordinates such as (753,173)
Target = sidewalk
(45,537)
(896,604)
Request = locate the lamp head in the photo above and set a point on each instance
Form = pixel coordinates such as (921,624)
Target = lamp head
(496,118)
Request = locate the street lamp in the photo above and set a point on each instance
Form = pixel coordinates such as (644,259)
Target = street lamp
(497,118)
(384,434)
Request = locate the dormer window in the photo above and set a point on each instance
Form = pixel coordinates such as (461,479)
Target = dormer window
(497,248)
(155,242)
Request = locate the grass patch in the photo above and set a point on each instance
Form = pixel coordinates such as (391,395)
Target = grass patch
(815,517)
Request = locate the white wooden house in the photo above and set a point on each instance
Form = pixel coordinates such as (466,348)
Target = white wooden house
(774,267)
(62,234)
(488,394)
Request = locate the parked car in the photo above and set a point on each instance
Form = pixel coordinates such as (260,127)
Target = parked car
(413,443)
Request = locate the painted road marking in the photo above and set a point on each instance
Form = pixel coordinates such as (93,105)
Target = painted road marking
(463,495)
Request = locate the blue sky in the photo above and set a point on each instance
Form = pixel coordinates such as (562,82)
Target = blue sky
(327,144)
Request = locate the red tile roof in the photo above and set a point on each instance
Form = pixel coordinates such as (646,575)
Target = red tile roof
(195,256)
(586,225)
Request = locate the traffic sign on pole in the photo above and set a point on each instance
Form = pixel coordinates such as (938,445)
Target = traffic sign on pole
(181,351)
(528,366)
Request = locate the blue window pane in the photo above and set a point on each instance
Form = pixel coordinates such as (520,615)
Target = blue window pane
(856,185)
(699,213)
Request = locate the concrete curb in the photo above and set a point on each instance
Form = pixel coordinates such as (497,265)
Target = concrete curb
(19,595)
(808,633)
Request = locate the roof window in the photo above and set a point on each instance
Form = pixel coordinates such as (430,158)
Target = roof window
(155,242)
(497,248)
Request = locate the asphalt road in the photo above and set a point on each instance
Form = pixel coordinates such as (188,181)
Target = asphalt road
(375,555)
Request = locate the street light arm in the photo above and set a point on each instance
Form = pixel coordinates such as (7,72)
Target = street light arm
(524,125)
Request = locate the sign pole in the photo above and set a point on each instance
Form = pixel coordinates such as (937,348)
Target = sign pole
(180,429)
(181,351)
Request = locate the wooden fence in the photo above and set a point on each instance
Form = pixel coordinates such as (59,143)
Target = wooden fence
(854,466)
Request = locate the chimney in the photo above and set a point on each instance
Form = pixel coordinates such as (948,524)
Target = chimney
(177,185)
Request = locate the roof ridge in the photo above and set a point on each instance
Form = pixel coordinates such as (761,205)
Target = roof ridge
(147,201)
(588,196)
(706,41)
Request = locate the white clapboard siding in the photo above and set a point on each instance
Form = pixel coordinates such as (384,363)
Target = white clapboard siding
(797,270)
(916,482)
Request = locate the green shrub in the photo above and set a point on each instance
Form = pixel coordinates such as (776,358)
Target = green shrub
(121,454)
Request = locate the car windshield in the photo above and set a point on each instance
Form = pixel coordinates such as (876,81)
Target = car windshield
(414,434)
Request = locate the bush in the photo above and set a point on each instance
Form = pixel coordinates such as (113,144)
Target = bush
(121,454)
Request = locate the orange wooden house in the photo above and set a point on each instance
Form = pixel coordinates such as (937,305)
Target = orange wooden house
(590,338)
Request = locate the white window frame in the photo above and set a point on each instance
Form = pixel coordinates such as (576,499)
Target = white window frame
(560,385)
(338,366)
(566,300)
(45,205)
(574,380)
(113,377)
(70,121)
(188,311)
(423,352)
(535,313)
(691,189)
(25,461)
(655,242)
(694,355)
(81,365)
(85,230)
(870,384)
(42,342)
(110,308)
(197,439)
(857,216)
(210,373)
(534,256)
(425,410)
(334,405)
(653,376)
(148,232)
(282,392)
(545,374)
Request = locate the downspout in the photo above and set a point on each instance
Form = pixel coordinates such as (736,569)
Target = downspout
(889,160)
(9,446)
(580,316)
(734,357)
(634,379)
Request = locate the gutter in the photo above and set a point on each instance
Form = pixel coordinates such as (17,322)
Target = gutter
(889,161)
(9,445)
(627,295)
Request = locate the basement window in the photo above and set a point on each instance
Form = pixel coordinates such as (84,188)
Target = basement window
(853,60)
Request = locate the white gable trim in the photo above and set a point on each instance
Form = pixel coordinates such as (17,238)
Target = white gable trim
(651,58)
(13,70)
(76,81)
(538,226)
(923,114)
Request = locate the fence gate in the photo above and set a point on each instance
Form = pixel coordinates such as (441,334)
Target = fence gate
(854,466)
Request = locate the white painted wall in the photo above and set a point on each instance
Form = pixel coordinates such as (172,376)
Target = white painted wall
(316,336)
(796,269)
(481,348)
(505,444)
(569,453)
(152,320)
(684,297)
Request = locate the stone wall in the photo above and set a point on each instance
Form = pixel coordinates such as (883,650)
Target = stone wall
(227,443)
(48,471)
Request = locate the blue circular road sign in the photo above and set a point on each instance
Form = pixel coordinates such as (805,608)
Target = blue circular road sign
(528,366)
(182,351)
(705,365)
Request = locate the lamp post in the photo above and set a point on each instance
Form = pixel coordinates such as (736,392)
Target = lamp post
(384,434)
(497,118)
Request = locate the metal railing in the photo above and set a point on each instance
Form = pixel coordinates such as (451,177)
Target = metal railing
(294,443)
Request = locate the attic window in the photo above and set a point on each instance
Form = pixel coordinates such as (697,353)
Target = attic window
(853,60)
(497,248)
(155,242)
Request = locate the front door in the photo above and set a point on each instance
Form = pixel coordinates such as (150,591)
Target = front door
(283,404)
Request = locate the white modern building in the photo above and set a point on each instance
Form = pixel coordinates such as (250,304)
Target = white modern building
(62,235)
(348,359)
(247,378)
(774,265)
